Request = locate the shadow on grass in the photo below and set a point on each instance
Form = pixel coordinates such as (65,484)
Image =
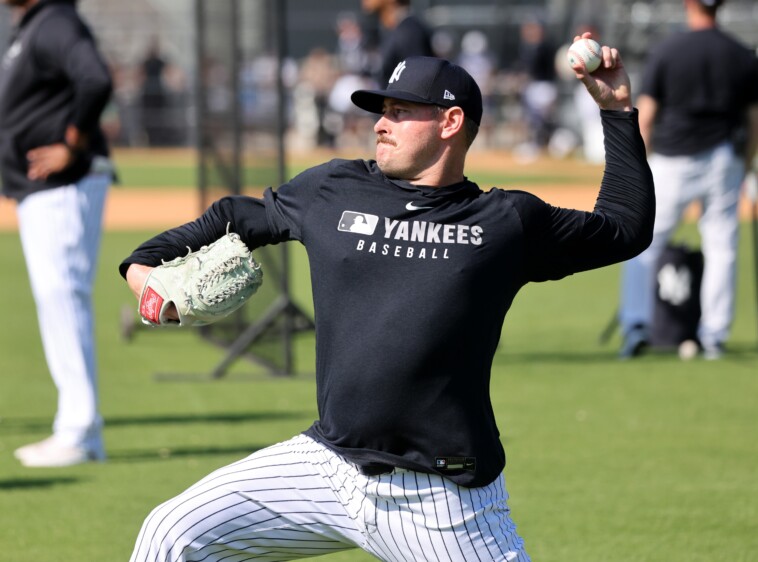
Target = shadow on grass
(28,483)
(225,417)
(504,357)
(33,425)
(166,453)
(739,355)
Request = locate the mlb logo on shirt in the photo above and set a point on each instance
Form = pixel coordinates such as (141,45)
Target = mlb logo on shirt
(358,223)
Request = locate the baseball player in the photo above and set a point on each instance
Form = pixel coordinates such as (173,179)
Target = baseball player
(402,34)
(699,119)
(405,460)
(54,162)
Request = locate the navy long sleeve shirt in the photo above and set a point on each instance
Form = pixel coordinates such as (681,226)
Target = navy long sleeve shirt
(411,285)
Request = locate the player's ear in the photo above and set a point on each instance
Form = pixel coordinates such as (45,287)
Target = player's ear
(451,122)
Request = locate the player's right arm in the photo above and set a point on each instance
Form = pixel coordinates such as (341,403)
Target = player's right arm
(136,275)
(274,218)
(238,213)
(242,215)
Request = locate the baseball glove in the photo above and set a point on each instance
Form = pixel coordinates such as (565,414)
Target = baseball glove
(204,286)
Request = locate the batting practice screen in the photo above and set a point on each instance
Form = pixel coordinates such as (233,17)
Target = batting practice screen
(240,113)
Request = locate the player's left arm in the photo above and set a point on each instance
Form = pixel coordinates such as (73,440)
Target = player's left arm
(565,241)
(609,85)
(648,109)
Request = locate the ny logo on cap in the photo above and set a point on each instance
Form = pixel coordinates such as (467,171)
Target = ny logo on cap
(397,72)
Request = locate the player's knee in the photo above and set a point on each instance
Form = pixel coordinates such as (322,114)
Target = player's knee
(161,533)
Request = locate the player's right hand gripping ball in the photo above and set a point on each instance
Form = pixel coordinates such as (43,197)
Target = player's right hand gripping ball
(586,53)
(204,286)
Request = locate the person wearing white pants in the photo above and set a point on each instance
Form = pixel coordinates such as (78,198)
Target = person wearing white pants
(54,161)
(262,508)
(60,235)
(405,460)
(712,178)
(699,120)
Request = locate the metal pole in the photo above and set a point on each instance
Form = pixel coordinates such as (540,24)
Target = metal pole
(200,117)
(280,14)
(235,125)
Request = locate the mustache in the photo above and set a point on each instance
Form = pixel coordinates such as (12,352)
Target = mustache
(385,139)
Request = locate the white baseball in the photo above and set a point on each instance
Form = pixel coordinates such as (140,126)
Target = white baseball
(587,53)
(688,349)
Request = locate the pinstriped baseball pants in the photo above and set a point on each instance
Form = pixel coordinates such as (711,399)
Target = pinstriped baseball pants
(298,499)
(60,231)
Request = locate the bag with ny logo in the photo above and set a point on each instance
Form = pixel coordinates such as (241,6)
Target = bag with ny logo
(676,312)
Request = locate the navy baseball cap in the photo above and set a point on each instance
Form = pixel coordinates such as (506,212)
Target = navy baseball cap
(427,80)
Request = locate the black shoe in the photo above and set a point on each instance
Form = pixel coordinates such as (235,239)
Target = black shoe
(635,342)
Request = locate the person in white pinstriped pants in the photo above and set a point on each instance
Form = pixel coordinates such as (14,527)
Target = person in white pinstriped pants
(54,85)
(405,460)
(330,506)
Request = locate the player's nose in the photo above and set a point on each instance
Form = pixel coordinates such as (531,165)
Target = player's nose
(381,126)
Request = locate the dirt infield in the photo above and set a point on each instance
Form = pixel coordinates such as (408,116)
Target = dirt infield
(146,209)
(161,208)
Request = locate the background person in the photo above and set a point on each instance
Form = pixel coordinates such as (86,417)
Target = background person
(154,97)
(54,86)
(402,34)
(535,64)
(698,109)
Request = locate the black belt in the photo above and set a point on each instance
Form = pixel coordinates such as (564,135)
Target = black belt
(375,469)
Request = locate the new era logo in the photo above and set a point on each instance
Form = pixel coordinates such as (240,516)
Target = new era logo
(448,95)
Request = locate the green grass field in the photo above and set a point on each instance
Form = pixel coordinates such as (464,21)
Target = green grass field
(608,461)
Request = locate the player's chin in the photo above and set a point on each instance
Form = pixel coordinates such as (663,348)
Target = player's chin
(384,157)
(389,167)
(384,151)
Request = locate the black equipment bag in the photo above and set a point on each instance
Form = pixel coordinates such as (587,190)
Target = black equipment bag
(679,274)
